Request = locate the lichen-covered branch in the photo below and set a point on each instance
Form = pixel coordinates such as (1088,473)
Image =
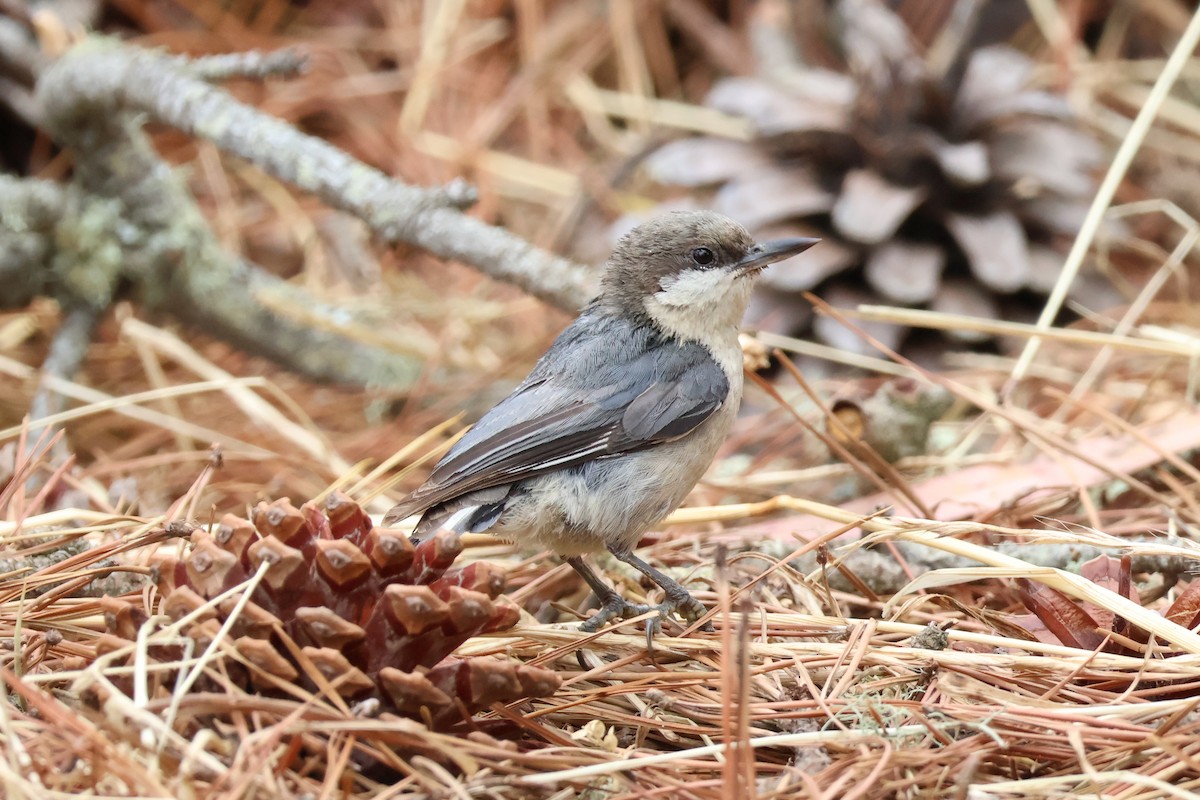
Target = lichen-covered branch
(878,568)
(126,222)
(140,225)
(99,76)
(253,64)
(29,211)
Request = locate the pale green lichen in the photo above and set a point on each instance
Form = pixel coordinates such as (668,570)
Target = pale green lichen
(88,258)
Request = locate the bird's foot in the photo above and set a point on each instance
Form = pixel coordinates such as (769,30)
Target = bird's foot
(613,606)
(686,606)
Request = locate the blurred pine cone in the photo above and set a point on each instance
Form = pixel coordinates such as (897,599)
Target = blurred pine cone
(937,178)
(374,615)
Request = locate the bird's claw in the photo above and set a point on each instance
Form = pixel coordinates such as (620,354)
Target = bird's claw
(613,606)
(685,606)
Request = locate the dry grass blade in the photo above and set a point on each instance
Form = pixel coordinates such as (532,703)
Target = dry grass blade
(932,319)
(1184,48)
(250,403)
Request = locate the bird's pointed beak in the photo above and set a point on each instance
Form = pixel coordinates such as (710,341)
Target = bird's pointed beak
(763,254)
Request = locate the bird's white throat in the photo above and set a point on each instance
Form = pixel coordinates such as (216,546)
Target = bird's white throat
(704,306)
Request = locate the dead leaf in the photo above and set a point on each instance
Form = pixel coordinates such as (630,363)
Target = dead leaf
(1112,574)
(1185,610)
(1073,626)
(963,493)
(1034,627)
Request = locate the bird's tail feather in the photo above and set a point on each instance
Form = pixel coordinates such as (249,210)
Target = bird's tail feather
(460,521)
(470,519)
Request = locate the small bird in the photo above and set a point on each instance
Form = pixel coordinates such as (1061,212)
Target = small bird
(621,416)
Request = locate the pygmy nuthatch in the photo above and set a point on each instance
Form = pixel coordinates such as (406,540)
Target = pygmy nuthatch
(621,416)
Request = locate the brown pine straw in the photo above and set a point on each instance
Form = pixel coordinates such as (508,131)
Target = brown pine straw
(881,701)
(804,689)
(800,690)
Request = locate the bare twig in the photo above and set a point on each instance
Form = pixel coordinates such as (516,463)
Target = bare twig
(879,569)
(147,230)
(279,64)
(66,355)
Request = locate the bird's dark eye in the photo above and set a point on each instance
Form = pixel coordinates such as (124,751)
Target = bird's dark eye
(702,256)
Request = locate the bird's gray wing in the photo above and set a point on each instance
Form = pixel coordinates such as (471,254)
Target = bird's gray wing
(565,415)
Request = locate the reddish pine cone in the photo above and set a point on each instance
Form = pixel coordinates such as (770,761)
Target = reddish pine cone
(374,614)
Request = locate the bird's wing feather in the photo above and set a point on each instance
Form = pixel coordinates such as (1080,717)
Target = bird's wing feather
(565,414)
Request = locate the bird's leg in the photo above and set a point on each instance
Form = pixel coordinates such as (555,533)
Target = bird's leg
(611,604)
(678,598)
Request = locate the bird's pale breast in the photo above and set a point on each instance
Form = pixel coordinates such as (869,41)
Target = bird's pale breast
(573,512)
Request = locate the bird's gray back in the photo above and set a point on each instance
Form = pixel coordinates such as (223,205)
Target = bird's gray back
(602,359)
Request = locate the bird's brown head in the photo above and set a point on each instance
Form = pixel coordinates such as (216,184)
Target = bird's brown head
(689,263)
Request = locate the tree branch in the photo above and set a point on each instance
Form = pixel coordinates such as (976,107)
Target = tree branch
(127,220)
(139,224)
(279,64)
(98,77)
(878,568)
(67,350)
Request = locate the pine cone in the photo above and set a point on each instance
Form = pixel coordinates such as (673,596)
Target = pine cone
(947,183)
(370,612)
